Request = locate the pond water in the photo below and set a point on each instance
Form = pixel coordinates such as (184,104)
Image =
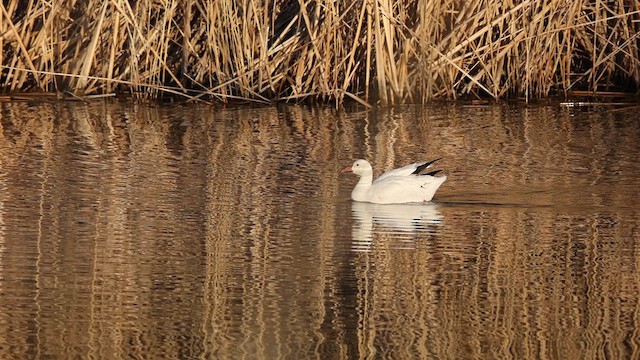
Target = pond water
(180,232)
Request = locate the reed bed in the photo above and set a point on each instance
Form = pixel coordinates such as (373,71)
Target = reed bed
(287,50)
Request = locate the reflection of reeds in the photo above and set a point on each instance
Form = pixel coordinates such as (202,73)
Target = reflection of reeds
(289,50)
(179,241)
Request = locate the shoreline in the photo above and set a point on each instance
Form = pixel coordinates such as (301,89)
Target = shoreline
(382,52)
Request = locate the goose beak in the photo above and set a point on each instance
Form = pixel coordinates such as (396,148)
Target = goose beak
(346,170)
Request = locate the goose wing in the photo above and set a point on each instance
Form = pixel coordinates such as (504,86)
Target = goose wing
(418,168)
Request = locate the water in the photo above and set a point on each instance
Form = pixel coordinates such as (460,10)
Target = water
(135,231)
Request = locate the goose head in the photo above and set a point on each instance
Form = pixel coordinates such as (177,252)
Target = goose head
(360,167)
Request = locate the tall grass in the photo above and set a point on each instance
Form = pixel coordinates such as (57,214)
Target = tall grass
(366,50)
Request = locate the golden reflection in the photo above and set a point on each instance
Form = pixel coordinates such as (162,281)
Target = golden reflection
(191,232)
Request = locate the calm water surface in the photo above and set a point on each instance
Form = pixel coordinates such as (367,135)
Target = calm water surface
(131,231)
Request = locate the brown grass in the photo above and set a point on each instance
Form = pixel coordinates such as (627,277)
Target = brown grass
(364,50)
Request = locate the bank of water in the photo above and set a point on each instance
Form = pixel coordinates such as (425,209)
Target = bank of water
(192,232)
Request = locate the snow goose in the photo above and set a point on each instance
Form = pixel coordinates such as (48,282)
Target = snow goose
(411,183)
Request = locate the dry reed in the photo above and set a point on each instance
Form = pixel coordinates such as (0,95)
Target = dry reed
(286,50)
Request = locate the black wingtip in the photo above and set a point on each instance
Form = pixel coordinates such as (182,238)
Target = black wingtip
(424,166)
(432,173)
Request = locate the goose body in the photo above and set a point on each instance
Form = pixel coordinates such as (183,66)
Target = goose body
(411,183)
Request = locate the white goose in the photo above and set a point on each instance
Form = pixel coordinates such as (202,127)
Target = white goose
(411,183)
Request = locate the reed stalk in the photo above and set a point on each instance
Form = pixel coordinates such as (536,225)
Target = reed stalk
(384,51)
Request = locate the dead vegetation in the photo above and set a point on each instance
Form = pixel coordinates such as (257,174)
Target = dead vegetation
(288,50)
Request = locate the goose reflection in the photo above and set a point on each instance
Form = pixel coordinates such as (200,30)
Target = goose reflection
(399,224)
